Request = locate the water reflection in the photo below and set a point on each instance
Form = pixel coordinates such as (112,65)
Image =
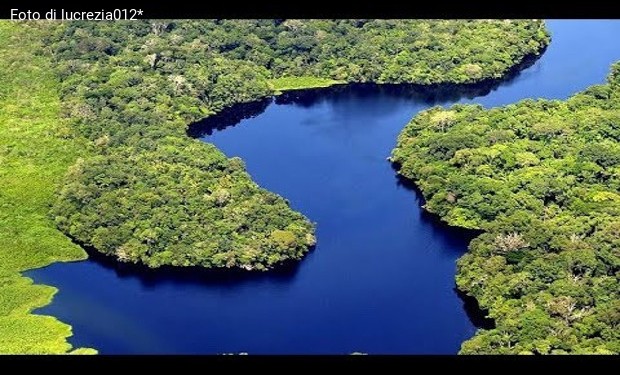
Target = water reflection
(456,238)
(228,117)
(150,277)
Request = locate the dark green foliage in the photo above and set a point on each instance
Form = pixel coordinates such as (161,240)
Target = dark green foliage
(542,179)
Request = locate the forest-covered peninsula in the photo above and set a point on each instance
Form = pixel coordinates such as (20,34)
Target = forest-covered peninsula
(541,179)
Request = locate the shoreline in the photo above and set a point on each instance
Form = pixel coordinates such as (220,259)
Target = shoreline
(282,93)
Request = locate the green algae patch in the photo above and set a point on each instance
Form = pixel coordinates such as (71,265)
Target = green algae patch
(34,155)
(301,83)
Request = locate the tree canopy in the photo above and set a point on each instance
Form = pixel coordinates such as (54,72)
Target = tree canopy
(542,179)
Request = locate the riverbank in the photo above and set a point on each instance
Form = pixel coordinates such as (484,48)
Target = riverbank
(309,90)
(284,85)
(35,154)
(533,176)
(147,109)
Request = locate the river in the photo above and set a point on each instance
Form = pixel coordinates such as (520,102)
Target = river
(381,279)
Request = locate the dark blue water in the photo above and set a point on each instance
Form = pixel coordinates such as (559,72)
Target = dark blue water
(381,279)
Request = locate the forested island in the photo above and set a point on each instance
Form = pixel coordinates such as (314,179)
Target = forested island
(93,126)
(541,179)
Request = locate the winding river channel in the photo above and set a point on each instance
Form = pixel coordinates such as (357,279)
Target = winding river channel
(381,279)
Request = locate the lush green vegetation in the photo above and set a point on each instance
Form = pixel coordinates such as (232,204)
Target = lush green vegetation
(113,104)
(297,83)
(180,203)
(542,179)
(34,155)
(382,51)
(152,195)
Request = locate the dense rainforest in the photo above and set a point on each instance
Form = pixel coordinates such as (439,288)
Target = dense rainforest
(93,118)
(152,195)
(541,178)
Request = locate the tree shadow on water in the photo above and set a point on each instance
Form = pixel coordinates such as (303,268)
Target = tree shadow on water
(477,316)
(151,277)
(430,95)
(230,116)
(455,238)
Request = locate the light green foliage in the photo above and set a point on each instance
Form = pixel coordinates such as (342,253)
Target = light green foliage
(83,351)
(283,238)
(297,83)
(33,334)
(34,156)
(541,178)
